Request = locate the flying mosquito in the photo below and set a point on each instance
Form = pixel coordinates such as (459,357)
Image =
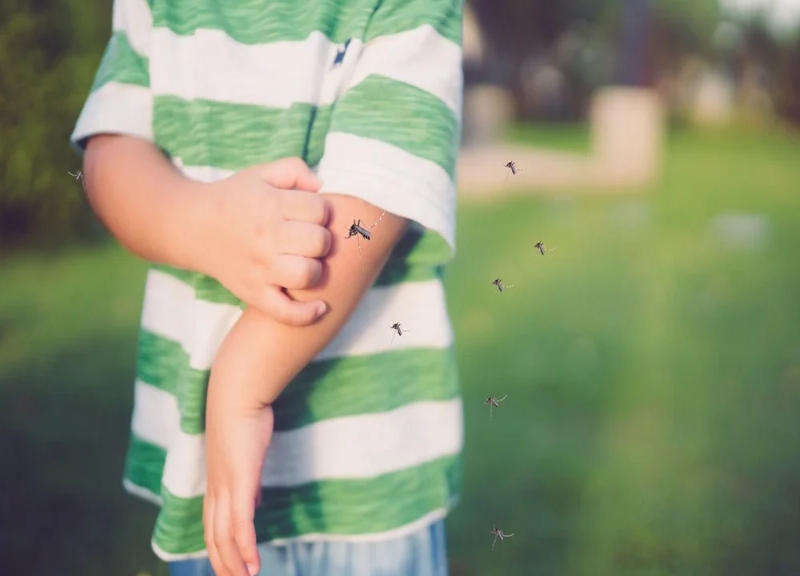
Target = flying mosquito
(498,533)
(540,247)
(500,286)
(397,330)
(493,402)
(358,230)
(78,176)
(512,167)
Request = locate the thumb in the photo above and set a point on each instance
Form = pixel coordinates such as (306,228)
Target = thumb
(290,174)
(277,304)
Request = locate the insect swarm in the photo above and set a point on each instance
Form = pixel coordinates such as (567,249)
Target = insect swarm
(493,402)
(540,247)
(358,231)
(397,330)
(512,167)
(500,286)
(498,533)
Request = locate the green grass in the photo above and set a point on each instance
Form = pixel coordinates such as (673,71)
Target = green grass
(652,373)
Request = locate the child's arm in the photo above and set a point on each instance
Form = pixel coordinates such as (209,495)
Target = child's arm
(257,359)
(251,231)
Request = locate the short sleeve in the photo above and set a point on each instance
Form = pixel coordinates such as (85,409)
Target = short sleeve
(395,131)
(120,100)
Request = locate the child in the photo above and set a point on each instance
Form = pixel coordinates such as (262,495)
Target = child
(362,435)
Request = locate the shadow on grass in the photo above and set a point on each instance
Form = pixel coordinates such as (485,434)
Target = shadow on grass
(63,435)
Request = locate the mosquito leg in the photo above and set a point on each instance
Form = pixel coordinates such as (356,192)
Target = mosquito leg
(378,220)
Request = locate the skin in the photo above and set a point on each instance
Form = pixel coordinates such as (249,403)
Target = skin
(279,247)
(257,231)
(257,360)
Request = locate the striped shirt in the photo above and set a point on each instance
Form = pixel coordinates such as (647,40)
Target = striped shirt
(368,436)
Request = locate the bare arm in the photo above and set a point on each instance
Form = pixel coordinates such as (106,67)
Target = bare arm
(255,231)
(260,356)
(144,201)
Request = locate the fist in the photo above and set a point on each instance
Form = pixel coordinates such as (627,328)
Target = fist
(267,233)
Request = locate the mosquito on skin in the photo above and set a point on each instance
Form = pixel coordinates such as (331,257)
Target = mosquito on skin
(498,533)
(500,286)
(512,167)
(493,402)
(540,247)
(397,330)
(358,230)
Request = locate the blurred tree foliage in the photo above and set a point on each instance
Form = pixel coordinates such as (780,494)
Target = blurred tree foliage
(49,51)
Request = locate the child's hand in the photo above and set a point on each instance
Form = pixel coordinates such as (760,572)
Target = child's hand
(266,232)
(236,443)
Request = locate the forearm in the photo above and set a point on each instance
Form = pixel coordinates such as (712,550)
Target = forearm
(260,356)
(143,200)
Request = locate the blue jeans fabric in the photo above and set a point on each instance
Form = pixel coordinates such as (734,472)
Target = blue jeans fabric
(423,553)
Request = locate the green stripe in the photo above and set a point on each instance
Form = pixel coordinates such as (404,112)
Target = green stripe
(159,361)
(322,390)
(367,385)
(121,63)
(259,22)
(346,507)
(144,464)
(417,121)
(393,16)
(236,136)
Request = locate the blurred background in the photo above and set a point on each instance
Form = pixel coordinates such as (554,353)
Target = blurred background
(651,361)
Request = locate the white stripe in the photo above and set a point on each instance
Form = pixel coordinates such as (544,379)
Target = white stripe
(420,57)
(134,18)
(171,311)
(362,446)
(368,169)
(156,417)
(116,108)
(211,65)
(392,179)
(396,533)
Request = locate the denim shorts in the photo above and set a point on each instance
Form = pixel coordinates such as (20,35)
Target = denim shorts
(422,553)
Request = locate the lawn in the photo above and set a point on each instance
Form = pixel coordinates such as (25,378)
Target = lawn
(652,369)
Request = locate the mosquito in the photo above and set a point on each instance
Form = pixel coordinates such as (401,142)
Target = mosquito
(493,402)
(397,330)
(540,247)
(358,230)
(512,167)
(78,176)
(498,533)
(500,286)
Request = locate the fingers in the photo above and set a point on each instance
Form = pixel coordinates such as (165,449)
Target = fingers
(283,309)
(244,534)
(296,272)
(304,239)
(305,207)
(232,563)
(208,532)
(290,173)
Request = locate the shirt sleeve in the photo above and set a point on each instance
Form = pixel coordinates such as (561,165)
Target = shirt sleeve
(120,100)
(395,130)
